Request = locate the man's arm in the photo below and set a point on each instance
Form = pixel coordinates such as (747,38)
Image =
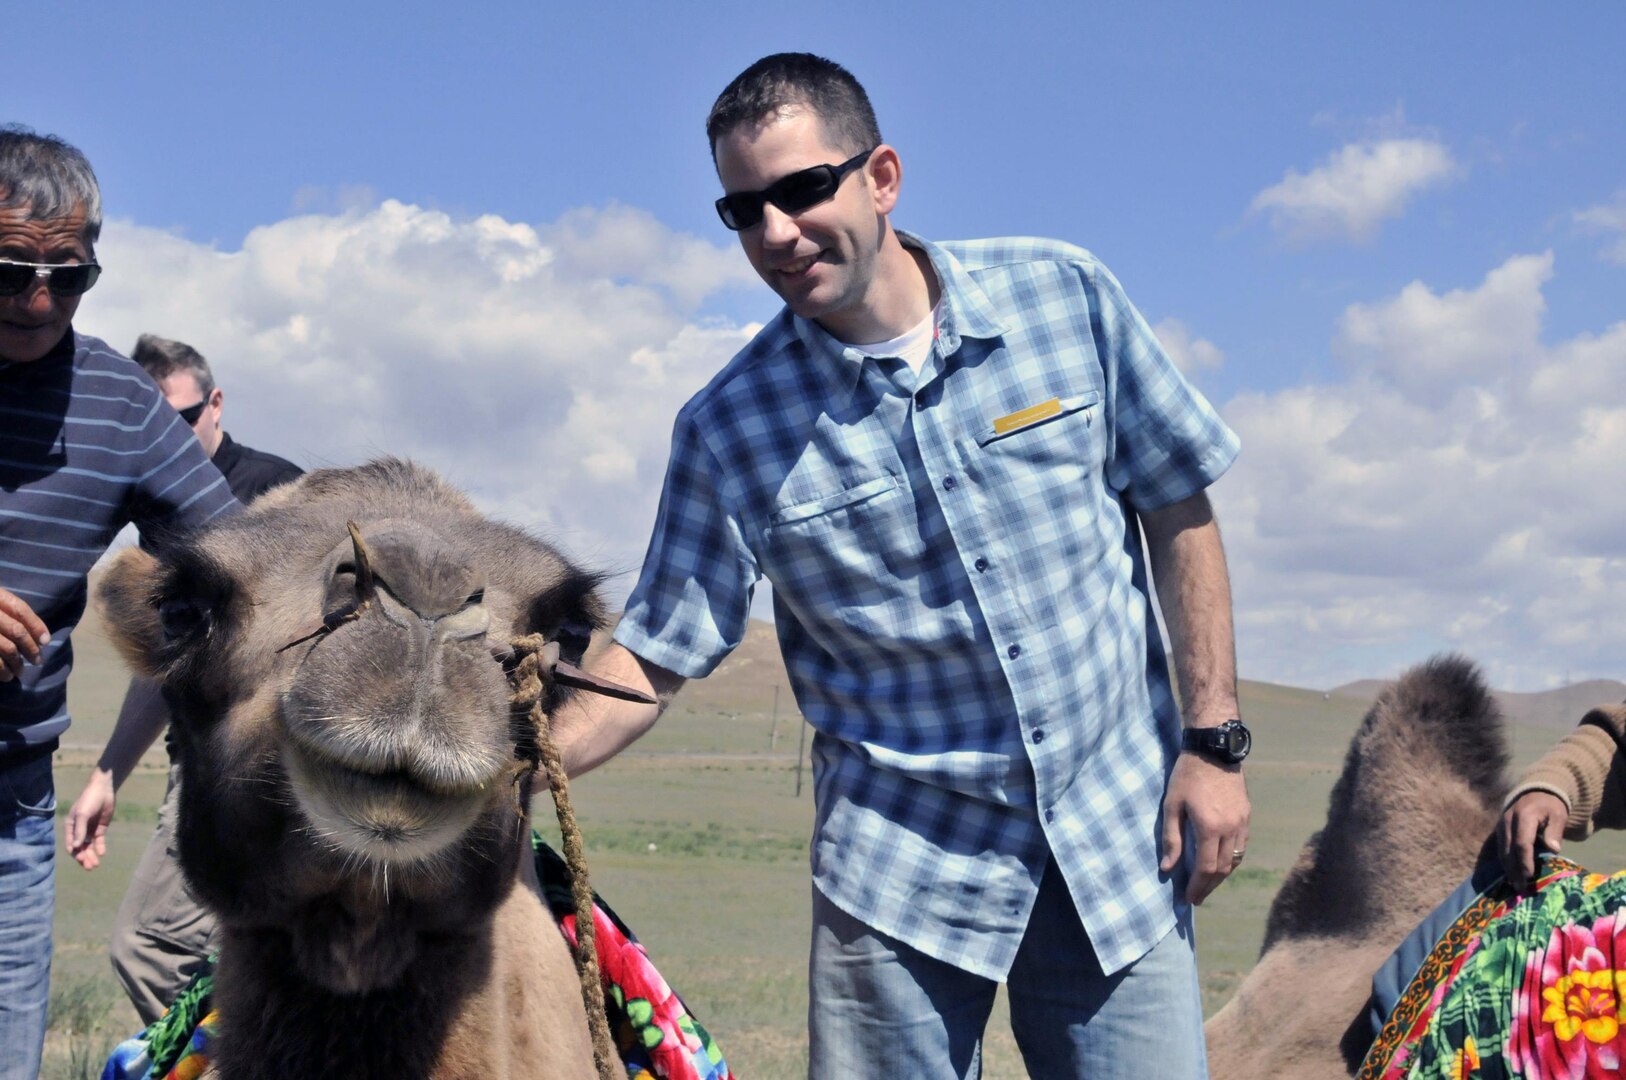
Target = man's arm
(1194,591)
(1577,787)
(141,719)
(590,729)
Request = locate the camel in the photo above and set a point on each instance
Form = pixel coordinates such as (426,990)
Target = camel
(1409,817)
(353,800)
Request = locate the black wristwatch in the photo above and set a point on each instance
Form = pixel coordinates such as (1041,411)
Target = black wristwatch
(1227,744)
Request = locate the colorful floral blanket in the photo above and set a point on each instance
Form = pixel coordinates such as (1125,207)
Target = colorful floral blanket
(656,1035)
(1522,985)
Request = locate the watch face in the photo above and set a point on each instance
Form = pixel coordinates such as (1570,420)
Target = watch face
(1229,742)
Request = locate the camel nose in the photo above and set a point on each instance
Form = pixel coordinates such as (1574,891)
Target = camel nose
(423,573)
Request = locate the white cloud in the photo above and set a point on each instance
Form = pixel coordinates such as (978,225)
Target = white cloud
(1431,346)
(1190,354)
(539,366)
(1355,189)
(1456,490)
(1609,219)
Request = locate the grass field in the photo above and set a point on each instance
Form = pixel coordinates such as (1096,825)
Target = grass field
(699,841)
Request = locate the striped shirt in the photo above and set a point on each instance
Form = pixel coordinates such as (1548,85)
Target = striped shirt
(959,592)
(87,445)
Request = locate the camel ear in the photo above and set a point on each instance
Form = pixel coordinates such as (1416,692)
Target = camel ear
(568,612)
(128,600)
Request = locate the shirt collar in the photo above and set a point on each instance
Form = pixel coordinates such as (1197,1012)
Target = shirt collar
(225,453)
(964,311)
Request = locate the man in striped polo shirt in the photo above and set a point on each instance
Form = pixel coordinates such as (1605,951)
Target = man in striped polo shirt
(87,445)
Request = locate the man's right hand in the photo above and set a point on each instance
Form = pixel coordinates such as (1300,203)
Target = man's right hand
(22,636)
(88,820)
(1535,817)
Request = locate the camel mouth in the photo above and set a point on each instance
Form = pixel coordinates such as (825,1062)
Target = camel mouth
(386,816)
(449,758)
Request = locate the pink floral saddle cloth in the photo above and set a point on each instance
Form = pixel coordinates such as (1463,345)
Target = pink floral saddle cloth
(1521,985)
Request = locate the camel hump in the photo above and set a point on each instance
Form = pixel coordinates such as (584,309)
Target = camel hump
(1421,787)
(1438,720)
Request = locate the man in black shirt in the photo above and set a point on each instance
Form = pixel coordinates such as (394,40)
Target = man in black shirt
(162,934)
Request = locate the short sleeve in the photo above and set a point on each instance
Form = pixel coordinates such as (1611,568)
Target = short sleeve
(1168,443)
(693,598)
(178,488)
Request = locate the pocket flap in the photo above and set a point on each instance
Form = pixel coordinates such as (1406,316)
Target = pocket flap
(784,515)
(1035,415)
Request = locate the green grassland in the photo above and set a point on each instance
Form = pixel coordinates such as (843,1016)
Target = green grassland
(698,838)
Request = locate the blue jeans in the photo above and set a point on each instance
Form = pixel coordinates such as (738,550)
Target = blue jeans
(879,1008)
(27,892)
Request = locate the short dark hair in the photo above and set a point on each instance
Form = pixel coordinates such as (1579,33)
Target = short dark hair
(784,80)
(161,358)
(48,177)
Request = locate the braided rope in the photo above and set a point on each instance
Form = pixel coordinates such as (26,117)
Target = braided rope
(527,681)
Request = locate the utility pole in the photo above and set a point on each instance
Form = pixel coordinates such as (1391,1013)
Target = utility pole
(773,725)
(800,744)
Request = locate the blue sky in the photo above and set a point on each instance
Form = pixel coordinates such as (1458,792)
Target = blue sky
(1402,224)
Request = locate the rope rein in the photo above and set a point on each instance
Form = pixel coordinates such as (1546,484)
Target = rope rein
(527,681)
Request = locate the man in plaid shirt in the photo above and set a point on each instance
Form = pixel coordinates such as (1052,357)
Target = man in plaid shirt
(943,456)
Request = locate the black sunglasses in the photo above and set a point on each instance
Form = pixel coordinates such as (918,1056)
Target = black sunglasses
(63,279)
(191,413)
(794,193)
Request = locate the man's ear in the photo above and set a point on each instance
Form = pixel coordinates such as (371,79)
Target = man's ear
(128,601)
(885,172)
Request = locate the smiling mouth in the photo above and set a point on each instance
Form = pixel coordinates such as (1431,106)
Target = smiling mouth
(800,266)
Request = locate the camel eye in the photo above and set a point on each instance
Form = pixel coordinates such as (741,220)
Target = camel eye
(183,617)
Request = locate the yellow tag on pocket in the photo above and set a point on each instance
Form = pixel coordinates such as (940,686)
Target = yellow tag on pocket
(1030,415)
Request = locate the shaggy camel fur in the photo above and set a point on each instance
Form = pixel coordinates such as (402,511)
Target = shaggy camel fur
(1420,792)
(351,806)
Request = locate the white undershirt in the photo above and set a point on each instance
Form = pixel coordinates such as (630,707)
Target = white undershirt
(912,346)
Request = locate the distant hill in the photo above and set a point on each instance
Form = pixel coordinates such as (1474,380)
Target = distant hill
(1559,708)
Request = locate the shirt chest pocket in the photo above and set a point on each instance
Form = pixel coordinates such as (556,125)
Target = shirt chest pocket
(1065,426)
(836,546)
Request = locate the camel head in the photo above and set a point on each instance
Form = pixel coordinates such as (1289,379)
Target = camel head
(334,660)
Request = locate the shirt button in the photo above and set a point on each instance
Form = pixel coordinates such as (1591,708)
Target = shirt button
(981,565)
(1049,815)
(1038,736)
(948,483)
(1014,651)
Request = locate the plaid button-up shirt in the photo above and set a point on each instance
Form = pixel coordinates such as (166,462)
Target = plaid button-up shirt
(959,591)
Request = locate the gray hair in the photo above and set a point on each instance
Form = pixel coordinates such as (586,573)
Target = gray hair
(161,358)
(48,178)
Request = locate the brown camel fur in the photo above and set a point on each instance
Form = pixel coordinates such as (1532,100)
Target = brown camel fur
(350,807)
(1420,791)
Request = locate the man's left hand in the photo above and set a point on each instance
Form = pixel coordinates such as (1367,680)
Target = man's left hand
(1212,799)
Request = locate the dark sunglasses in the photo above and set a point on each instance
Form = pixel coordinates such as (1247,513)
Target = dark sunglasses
(191,413)
(63,279)
(794,193)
